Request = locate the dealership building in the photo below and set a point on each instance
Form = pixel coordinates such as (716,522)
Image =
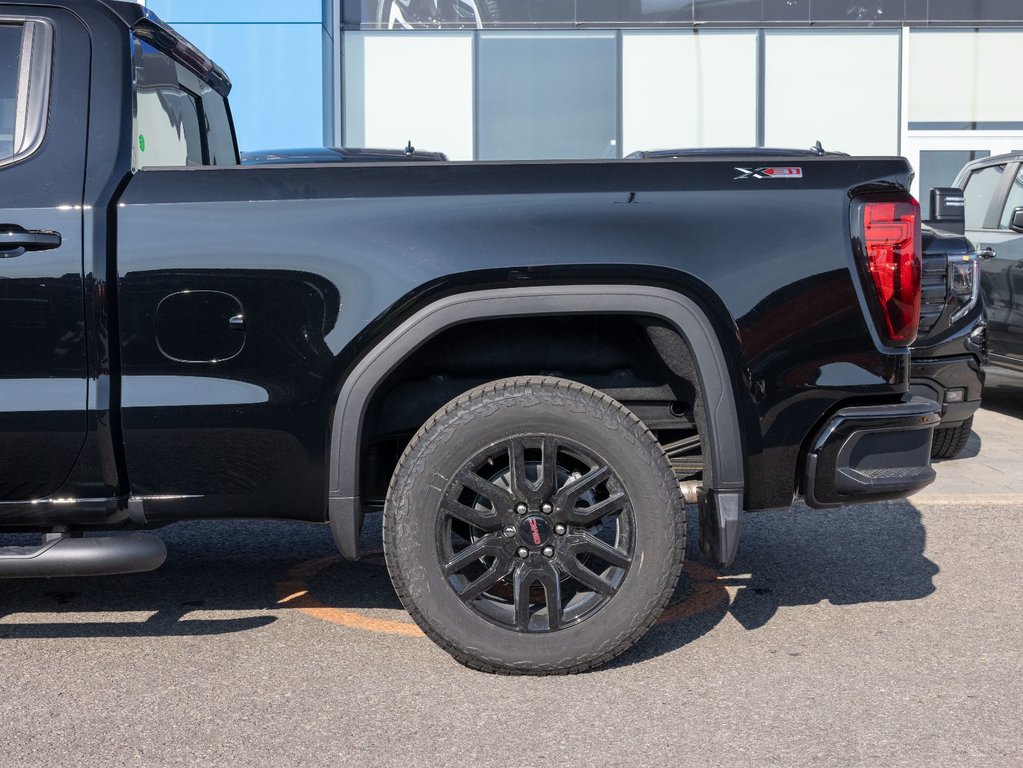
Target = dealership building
(934,80)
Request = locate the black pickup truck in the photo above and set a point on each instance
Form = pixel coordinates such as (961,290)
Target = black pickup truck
(515,363)
(993,188)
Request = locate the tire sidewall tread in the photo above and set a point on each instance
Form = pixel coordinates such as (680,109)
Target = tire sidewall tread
(468,637)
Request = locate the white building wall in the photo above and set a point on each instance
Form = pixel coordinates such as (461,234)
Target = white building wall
(409,86)
(689,89)
(839,88)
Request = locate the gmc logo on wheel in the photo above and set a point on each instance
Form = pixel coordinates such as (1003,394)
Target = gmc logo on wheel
(781,172)
(535,530)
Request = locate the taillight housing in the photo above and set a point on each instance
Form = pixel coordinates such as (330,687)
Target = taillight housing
(891,245)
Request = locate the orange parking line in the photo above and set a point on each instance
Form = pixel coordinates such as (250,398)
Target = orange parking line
(708,593)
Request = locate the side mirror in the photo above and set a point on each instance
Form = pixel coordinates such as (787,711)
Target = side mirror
(948,210)
(1016,222)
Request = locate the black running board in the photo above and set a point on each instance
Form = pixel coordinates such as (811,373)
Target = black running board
(70,556)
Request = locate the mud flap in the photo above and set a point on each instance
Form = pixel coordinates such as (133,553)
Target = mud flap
(719,525)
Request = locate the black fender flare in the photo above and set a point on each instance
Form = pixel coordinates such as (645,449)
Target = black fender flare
(723,444)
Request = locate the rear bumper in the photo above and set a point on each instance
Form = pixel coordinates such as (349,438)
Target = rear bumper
(933,378)
(872,453)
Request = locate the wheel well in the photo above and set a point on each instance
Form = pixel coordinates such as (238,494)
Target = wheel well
(679,351)
(640,361)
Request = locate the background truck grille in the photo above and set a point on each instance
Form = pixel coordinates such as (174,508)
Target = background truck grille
(934,285)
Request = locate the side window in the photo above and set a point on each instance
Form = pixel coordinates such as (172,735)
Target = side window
(179,120)
(167,129)
(25,56)
(980,188)
(1014,201)
(10,56)
(219,129)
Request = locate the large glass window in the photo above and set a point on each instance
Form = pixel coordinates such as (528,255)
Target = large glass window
(974,10)
(840,88)
(685,89)
(409,87)
(431,14)
(960,79)
(10,58)
(547,95)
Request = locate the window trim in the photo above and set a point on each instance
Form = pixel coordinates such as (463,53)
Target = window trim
(1003,209)
(35,73)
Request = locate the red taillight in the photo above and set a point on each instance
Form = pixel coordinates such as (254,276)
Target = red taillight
(891,239)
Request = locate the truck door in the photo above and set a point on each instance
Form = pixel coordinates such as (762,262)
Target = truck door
(1010,249)
(43,382)
(985,191)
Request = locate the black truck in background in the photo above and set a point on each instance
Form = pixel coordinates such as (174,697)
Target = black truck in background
(993,189)
(952,344)
(514,363)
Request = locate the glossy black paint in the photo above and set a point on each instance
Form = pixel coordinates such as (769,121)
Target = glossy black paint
(933,377)
(385,239)
(326,260)
(93,150)
(44,387)
(872,453)
(948,354)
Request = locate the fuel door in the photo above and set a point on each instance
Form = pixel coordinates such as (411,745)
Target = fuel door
(200,326)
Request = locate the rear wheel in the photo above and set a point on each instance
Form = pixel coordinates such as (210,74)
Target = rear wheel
(534,526)
(950,441)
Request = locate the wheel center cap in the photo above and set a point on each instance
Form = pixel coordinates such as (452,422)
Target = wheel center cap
(535,531)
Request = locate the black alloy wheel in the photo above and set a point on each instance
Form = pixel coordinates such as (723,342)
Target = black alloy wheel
(535,533)
(534,526)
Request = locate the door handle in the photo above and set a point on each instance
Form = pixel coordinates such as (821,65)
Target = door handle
(15,240)
(987,253)
(237,323)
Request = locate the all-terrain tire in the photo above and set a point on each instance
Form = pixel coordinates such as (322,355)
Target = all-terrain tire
(534,408)
(950,441)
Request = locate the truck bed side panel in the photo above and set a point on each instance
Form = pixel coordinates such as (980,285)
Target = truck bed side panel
(321,258)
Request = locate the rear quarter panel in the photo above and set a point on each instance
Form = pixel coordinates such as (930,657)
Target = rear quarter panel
(326,258)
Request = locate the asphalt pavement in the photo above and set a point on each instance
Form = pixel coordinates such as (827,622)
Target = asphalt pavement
(883,635)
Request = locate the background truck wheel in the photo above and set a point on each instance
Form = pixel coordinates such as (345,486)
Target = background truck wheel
(949,441)
(534,526)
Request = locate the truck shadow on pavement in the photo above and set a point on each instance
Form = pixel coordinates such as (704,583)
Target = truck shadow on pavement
(1002,392)
(801,557)
(216,571)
